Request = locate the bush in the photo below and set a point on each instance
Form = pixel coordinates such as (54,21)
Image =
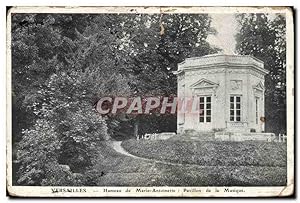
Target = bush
(37,148)
(47,146)
(59,175)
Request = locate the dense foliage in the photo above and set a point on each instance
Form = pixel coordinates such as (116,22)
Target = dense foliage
(264,36)
(63,64)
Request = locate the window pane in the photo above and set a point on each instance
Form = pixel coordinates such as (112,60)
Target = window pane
(238,112)
(238,106)
(208,119)
(231,118)
(205,109)
(231,112)
(201,112)
(238,99)
(231,99)
(238,118)
(231,106)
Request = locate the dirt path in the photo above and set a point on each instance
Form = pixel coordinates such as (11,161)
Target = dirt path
(116,145)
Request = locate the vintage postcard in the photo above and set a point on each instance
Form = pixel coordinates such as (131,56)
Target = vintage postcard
(150,101)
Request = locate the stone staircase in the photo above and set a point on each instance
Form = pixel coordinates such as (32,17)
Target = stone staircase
(192,135)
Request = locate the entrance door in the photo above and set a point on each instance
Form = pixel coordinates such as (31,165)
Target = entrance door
(205,112)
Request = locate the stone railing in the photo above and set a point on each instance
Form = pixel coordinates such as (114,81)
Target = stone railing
(280,138)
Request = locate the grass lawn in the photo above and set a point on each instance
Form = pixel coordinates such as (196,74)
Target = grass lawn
(120,170)
(211,153)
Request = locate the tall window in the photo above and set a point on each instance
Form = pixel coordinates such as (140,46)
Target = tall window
(205,109)
(235,108)
(256,110)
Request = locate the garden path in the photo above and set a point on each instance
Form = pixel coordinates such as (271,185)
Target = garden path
(116,145)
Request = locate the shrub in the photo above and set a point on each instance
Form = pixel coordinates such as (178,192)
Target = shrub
(38,147)
(47,145)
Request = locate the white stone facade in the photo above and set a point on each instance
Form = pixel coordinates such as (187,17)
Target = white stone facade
(229,90)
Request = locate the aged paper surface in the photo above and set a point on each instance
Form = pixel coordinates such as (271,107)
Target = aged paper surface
(150,101)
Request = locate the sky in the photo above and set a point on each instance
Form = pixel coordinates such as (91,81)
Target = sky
(226,27)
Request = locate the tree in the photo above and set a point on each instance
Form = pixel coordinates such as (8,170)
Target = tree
(64,99)
(264,36)
(156,44)
(36,39)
